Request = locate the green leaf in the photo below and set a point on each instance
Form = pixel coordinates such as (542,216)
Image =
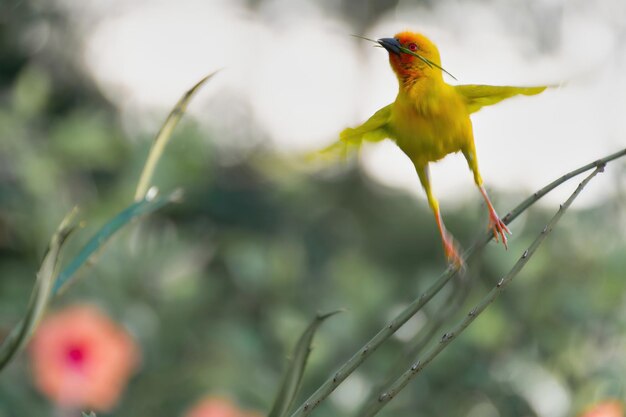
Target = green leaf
(41,295)
(295,370)
(91,414)
(139,208)
(163,137)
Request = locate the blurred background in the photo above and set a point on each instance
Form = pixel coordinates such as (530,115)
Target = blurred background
(216,289)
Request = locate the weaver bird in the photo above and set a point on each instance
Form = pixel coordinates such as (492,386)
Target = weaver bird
(430,119)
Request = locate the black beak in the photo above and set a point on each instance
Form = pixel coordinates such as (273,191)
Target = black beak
(391,45)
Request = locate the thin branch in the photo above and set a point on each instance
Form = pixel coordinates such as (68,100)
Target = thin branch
(545,190)
(413,348)
(448,337)
(364,352)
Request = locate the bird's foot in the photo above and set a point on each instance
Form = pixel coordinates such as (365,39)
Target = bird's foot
(497,226)
(450,248)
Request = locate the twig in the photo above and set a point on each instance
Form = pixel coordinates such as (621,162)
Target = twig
(364,352)
(448,337)
(600,163)
(413,348)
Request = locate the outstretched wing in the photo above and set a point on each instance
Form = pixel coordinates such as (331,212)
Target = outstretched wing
(373,130)
(478,96)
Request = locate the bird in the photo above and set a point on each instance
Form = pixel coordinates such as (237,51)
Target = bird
(430,119)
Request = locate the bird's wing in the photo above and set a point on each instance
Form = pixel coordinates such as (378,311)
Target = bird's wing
(373,130)
(478,96)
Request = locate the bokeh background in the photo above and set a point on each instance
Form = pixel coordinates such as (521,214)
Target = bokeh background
(216,289)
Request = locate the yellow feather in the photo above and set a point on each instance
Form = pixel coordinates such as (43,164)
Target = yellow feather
(479,96)
(350,139)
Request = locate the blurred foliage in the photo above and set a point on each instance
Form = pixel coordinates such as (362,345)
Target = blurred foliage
(217,288)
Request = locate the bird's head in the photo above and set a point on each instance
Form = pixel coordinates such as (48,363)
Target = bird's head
(412,56)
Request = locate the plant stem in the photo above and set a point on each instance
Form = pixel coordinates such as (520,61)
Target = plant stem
(364,352)
(412,349)
(163,137)
(40,297)
(447,338)
(600,163)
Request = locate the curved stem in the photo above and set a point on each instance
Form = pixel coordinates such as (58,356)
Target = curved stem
(163,137)
(41,294)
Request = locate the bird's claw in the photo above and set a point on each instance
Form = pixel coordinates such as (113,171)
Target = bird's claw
(452,253)
(499,229)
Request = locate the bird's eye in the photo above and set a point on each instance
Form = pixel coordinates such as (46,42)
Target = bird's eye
(413,47)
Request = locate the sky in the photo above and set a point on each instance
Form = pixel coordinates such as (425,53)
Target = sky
(295,71)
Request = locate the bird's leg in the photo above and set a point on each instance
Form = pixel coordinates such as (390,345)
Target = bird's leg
(496,225)
(449,246)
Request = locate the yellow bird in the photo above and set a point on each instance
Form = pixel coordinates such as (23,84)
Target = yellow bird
(430,119)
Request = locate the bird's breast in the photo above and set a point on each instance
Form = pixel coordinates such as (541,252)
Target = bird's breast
(427,132)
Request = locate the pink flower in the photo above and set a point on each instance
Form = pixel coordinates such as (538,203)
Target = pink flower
(82,359)
(607,408)
(218,407)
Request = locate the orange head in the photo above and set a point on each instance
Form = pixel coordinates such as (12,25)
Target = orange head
(405,50)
